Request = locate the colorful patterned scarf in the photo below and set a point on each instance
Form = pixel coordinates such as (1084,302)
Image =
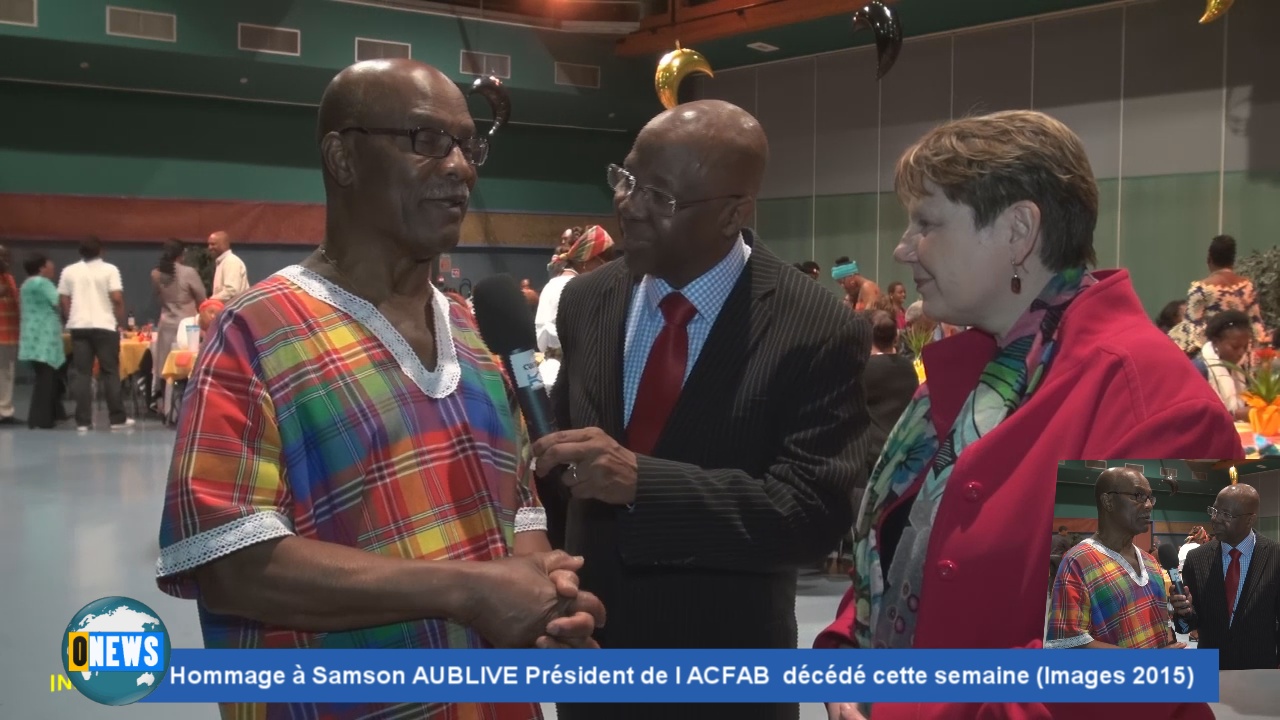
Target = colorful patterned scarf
(593,241)
(915,457)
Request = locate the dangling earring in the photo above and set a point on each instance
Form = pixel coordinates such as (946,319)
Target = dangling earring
(1015,283)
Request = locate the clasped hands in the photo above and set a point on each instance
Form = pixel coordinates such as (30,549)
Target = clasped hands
(598,467)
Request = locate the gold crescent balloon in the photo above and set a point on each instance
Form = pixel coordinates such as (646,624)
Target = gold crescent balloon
(1214,9)
(673,68)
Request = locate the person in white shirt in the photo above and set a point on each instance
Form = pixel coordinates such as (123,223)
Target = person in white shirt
(1197,537)
(230,278)
(93,302)
(592,249)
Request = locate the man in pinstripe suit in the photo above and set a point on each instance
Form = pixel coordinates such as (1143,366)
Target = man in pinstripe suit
(713,411)
(1233,586)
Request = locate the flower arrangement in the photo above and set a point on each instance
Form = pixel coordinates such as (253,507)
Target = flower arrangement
(1262,386)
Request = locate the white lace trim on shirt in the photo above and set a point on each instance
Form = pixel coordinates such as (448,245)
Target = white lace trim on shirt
(1067,643)
(1139,577)
(531,518)
(210,545)
(437,384)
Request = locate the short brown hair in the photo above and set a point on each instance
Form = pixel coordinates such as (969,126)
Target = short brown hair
(990,162)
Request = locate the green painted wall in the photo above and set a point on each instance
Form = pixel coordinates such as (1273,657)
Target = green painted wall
(329,29)
(158,146)
(1165,224)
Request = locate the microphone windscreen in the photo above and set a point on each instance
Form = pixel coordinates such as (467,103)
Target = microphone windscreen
(1168,556)
(503,315)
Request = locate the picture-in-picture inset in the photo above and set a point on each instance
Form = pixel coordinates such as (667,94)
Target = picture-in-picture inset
(1167,554)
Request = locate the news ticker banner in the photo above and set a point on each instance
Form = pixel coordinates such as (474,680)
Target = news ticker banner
(715,676)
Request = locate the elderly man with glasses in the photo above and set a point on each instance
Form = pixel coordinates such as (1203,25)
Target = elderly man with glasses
(1233,586)
(714,419)
(353,472)
(1108,593)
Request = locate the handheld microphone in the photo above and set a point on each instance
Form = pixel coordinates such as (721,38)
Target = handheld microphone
(1168,556)
(506,325)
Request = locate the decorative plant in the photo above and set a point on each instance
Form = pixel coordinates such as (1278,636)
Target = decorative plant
(1263,268)
(1262,386)
(198,258)
(916,336)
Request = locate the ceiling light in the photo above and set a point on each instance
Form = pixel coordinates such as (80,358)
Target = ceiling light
(84,66)
(244,80)
(762,46)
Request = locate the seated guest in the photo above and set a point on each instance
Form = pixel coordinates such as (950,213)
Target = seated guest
(352,471)
(1233,586)
(209,310)
(1170,315)
(1060,361)
(1108,593)
(1219,360)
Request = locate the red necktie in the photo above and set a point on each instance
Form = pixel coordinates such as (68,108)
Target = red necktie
(663,375)
(1232,582)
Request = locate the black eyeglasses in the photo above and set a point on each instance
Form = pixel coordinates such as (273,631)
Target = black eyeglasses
(1140,498)
(657,201)
(434,143)
(1215,512)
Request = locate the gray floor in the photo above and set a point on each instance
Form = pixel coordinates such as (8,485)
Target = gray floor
(78,521)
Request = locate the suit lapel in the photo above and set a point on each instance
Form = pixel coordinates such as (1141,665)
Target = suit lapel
(741,324)
(610,332)
(1215,579)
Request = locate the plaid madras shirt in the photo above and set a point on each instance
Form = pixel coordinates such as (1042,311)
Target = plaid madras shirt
(307,414)
(1097,595)
(8,310)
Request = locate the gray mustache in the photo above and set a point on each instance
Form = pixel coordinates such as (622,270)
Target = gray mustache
(447,192)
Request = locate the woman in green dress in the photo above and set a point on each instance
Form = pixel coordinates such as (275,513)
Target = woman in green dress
(40,340)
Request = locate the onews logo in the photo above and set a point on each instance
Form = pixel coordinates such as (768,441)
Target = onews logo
(115,651)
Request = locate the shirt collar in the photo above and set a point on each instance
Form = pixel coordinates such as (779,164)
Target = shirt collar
(1246,545)
(218,260)
(708,292)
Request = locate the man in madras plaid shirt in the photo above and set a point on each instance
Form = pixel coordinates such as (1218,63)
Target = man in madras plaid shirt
(350,469)
(1108,593)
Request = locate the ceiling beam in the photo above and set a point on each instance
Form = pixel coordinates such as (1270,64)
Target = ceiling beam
(690,25)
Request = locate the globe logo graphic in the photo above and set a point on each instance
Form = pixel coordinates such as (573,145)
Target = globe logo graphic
(107,637)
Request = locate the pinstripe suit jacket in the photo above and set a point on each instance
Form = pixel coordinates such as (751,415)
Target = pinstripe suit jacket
(752,476)
(1252,642)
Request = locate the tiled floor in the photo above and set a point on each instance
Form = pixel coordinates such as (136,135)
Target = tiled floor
(78,521)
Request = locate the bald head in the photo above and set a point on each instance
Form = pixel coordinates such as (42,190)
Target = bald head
(379,93)
(1121,496)
(219,242)
(1237,507)
(727,148)
(1116,479)
(397,144)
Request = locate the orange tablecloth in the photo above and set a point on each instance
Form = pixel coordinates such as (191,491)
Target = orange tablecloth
(178,365)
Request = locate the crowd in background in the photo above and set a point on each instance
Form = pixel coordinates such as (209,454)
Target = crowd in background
(69,327)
